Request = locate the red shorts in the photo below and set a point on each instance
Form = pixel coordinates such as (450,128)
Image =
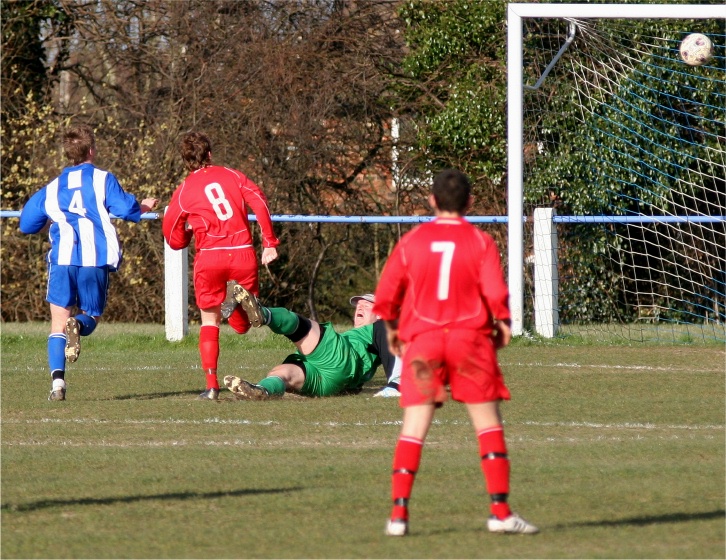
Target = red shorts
(464,359)
(212,270)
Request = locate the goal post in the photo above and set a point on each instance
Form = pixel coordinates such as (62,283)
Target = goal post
(585,16)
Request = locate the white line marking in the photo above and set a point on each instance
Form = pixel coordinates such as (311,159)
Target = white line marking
(286,442)
(692,369)
(626,425)
(242,422)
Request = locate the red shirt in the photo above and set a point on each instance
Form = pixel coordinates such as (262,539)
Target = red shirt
(213,201)
(444,273)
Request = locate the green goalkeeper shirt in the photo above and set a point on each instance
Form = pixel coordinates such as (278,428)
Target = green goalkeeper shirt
(340,362)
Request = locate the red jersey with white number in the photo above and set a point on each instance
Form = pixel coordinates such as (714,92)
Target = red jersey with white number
(213,201)
(443,274)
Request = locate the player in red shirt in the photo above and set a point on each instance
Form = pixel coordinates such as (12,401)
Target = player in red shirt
(443,298)
(211,205)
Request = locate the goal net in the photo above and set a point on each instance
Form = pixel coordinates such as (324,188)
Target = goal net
(627,144)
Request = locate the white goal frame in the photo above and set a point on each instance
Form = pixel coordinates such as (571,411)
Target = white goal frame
(516,12)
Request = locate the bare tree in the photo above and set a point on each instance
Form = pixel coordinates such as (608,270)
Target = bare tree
(294,93)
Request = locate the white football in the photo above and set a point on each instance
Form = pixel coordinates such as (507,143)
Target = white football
(696,49)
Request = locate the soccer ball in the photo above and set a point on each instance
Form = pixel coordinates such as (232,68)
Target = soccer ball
(696,49)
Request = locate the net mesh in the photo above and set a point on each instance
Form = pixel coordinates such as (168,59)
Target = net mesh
(623,130)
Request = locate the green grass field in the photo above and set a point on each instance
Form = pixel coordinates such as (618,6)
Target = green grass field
(617,452)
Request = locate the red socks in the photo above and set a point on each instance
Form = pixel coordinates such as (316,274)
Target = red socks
(406,460)
(495,466)
(209,353)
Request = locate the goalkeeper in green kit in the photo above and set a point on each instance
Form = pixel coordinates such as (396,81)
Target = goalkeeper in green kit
(326,362)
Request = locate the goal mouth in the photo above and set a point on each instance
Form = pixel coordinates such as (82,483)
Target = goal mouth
(624,142)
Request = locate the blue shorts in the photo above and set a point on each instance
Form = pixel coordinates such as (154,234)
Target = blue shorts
(86,287)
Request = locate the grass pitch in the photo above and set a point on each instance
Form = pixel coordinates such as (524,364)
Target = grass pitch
(617,452)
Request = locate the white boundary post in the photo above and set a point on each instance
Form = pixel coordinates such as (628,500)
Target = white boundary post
(515,86)
(176,292)
(546,278)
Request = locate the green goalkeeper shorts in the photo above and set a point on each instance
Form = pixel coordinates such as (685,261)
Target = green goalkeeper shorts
(330,367)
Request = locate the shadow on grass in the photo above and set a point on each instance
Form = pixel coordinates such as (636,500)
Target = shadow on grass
(151,396)
(41,504)
(648,519)
(366,392)
(224,395)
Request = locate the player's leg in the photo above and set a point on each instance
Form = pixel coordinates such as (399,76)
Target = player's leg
(209,351)
(230,303)
(243,284)
(211,272)
(70,286)
(423,388)
(304,333)
(406,460)
(81,324)
(289,376)
(243,271)
(56,351)
(61,296)
(479,384)
(87,288)
(92,287)
(487,423)
(493,453)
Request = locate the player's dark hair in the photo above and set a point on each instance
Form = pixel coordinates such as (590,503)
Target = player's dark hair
(78,141)
(451,191)
(196,150)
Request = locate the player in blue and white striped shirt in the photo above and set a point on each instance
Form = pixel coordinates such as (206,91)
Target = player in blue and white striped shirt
(77,205)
